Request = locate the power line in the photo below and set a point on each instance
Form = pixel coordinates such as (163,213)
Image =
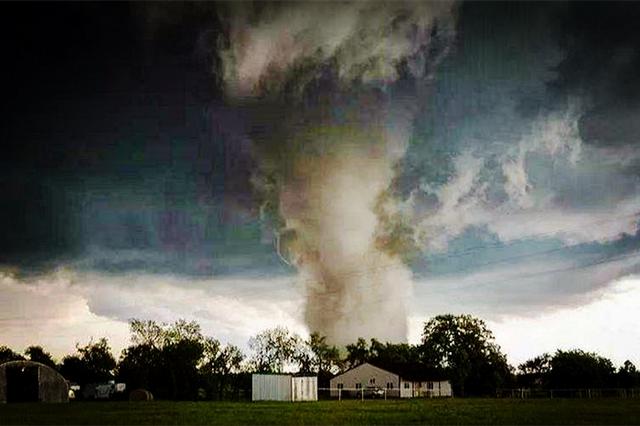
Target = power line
(470,250)
(554,271)
(537,236)
(501,244)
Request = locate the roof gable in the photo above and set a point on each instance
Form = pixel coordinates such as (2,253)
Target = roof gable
(360,366)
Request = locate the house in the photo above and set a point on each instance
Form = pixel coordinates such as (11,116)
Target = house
(367,378)
(283,387)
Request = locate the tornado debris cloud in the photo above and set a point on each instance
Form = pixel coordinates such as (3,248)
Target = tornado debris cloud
(332,90)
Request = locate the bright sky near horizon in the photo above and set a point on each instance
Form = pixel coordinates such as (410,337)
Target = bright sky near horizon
(63,308)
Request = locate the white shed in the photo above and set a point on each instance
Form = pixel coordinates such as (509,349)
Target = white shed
(304,388)
(283,387)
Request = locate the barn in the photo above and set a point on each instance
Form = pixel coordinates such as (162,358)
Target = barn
(28,381)
(369,379)
(283,387)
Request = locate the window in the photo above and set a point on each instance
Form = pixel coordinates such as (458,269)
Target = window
(406,385)
(372,381)
(389,385)
(430,385)
(340,385)
(358,385)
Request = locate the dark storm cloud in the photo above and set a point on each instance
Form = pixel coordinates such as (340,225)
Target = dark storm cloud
(121,156)
(514,157)
(602,45)
(113,139)
(123,168)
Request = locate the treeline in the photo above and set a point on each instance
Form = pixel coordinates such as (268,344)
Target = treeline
(576,369)
(177,361)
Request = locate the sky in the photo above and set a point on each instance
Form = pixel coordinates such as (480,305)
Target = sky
(133,176)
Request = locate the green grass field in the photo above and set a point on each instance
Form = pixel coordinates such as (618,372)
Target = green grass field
(445,411)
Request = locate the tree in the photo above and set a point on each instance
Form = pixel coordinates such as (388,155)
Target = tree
(580,369)
(157,335)
(218,366)
(538,365)
(325,358)
(146,333)
(99,359)
(180,360)
(628,376)
(394,357)
(164,358)
(274,350)
(357,353)
(93,363)
(534,372)
(6,355)
(176,360)
(75,369)
(140,366)
(465,349)
(37,354)
(316,356)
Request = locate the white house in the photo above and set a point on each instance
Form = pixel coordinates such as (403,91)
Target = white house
(365,376)
(369,378)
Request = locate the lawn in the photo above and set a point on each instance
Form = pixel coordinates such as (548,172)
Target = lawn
(444,411)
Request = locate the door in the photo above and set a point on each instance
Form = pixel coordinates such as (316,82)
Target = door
(22,383)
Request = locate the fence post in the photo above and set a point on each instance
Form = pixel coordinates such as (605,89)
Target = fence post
(339,394)
(362,394)
(551,393)
(385,394)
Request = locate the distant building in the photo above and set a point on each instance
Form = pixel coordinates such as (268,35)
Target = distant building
(374,380)
(283,387)
(28,381)
(365,377)
(417,388)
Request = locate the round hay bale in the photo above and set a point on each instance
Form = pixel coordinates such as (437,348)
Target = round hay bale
(140,395)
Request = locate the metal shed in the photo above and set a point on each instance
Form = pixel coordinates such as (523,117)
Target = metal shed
(271,387)
(28,381)
(283,387)
(304,388)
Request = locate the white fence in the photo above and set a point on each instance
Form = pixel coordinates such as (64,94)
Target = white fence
(358,393)
(527,393)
